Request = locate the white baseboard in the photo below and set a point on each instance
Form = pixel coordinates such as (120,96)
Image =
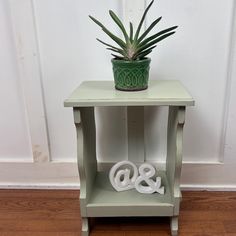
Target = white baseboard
(57,175)
(194,187)
(48,175)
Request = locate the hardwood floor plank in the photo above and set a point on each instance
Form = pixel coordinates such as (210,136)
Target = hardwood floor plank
(150,223)
(41,225)
(107,233)
(23,233)
(56,213)
(203,201)
(204,227)
(230,226)
(137,233)
(42,208)
(211,215)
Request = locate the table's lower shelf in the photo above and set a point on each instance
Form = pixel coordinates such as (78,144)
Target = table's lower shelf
(105,201)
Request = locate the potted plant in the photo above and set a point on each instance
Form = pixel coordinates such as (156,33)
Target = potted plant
(130,63)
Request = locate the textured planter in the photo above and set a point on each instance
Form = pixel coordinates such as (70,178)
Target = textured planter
(131,75)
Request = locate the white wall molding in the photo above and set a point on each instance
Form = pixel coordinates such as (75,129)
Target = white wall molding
(209,175)
(192,187)
(230,76)
(39,175)
(27,51)
(61,175)
(16,160)
(132,11)
(230,127)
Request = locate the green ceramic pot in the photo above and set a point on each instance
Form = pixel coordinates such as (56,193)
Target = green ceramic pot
(131,75)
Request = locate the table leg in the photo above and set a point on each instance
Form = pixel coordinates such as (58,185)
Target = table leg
(85,226)
(174,225)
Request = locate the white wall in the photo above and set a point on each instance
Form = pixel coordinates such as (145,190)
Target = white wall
(198,56)
(73,57)
(57,42)
(14,135)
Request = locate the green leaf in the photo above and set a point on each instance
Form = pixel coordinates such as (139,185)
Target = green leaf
(117,57)
(142,55)
(144,51)
(117,51)
(149,29)
(131,32)
(120,24)
(96,21)
(109,45)
(120,42)
(114,50)
(157,35)
(155,41)
(142,20)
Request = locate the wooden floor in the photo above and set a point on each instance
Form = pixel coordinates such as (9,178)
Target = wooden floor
(50,212)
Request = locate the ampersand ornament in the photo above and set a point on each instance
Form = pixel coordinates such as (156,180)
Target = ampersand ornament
(146,172)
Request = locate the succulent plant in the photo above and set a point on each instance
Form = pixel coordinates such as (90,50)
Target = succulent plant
(134,46)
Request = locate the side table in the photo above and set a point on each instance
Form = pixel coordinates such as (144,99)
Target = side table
(97,197)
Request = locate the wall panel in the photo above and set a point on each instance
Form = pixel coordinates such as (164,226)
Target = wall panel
(14,133)
(70,54)
(198,56)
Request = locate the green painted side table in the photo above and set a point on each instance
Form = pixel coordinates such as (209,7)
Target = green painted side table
(97,197)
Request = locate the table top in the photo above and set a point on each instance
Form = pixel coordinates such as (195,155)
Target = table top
(103,93)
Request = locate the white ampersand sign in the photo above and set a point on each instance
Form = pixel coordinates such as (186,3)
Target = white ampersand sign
(146,172)
(121,180)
